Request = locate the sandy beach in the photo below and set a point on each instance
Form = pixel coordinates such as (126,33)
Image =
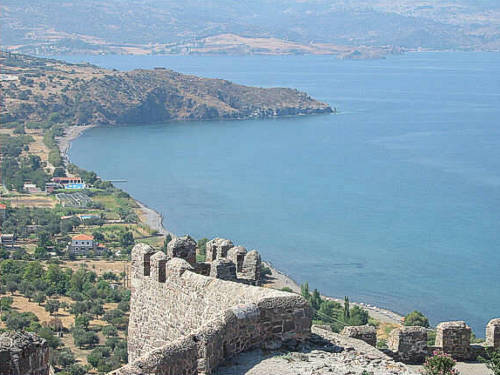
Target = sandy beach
(70,134)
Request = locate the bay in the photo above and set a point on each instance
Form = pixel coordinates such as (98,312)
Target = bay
(395,201)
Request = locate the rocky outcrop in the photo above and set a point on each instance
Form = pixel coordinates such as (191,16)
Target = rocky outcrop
(23,353)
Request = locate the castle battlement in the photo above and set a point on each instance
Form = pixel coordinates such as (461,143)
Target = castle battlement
(184,322)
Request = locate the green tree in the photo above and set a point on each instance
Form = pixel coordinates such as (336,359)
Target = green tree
(316,299)
(347,310)
(127,239)
(109,331)
(416,318)
(83,338)
(33,271)
(82,321)
(40,253)
(492,361)
(76,369)
(47,334)
(304,291)
(64,357)
(98,354)
(39,298)
(52,306)
(12,286)
(6,303)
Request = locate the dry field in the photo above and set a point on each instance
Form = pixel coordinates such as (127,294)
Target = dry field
(99,266)
(31,201)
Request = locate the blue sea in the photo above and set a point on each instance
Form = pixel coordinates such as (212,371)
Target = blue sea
(394,201)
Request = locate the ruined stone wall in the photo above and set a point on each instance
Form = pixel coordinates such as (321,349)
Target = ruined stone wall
(23,353)
(214,318)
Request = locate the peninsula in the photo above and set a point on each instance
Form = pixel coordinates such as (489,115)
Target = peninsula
(82,94)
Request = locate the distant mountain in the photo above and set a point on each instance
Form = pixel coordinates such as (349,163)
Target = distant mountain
(170,26)
(34,89)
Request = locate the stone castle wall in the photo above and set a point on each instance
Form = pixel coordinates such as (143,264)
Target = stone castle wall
(182,322)
(23,353)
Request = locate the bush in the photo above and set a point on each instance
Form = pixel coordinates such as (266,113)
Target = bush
(440,364)
(416,318)
(493,360)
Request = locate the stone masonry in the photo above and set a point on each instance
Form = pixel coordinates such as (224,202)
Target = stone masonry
(409,344)
(453,338)
(493,333)
(366,333)
(223,269)
(184,323)
(182,247)
(23,353)
(237,256)
(217,248)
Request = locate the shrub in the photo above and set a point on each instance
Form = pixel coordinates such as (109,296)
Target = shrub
(416,318)
(493,360)
(440,364)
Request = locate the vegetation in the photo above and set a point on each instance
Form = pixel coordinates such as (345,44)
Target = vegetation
(332,313)
(51,285)
(492,361)
(440,364)
(416,318)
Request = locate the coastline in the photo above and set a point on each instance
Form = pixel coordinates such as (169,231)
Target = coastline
(278,279)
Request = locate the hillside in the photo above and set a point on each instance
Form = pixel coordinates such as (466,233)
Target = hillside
(35,89)
(145,26)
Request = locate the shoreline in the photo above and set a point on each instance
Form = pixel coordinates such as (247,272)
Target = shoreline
(154,219)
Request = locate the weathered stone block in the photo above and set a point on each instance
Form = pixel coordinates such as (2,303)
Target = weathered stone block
(493,333)
(23,353)
(251,268)
(223,269)
(158,266)
(217,248)
(453,338)
(367,333)
(237,256)
(141,260)
(182,247)
(409,344)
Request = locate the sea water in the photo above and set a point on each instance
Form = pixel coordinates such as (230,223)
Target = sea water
(394,201)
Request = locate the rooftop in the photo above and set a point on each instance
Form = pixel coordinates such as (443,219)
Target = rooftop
(83,237)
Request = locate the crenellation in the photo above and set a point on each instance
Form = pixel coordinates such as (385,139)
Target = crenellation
(223,269)
(158,263)
(493,333)
(365,333)
(141,254)
(453,338)
(237,255)
(409,344)
(182,247)
(183,322)
(217,248)
(222,318)
(251,268)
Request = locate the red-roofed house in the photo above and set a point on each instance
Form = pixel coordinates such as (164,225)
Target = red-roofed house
(81,244)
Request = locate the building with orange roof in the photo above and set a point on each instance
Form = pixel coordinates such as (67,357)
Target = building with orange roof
(82,244)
